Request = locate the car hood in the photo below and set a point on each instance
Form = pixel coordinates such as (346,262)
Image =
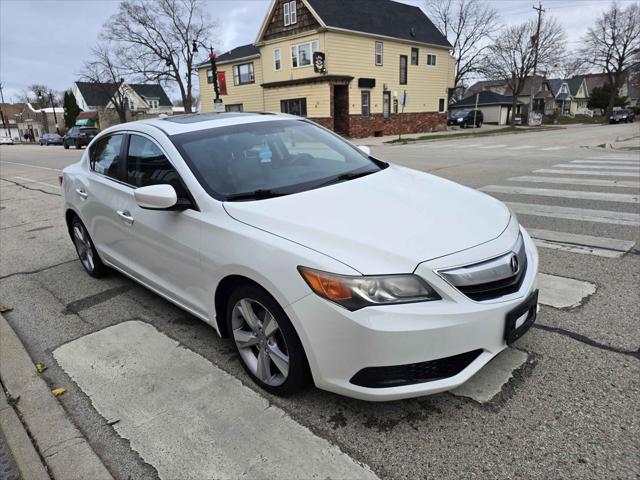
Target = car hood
(387,222)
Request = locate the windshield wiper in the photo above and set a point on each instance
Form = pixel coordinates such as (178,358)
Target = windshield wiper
(346,177)
(255,195)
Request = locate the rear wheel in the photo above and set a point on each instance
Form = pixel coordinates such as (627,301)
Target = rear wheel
(268,345)
(86,250)
(65,145)
(76,144)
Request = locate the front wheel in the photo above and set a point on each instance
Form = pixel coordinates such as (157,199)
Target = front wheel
(463,125)
(76,144)
(480,124)
(269,348)
(65,145)
(86,250)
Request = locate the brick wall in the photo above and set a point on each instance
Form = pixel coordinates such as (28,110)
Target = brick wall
(422,122)
(325,122)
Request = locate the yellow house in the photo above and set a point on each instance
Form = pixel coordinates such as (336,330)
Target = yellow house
(359,67)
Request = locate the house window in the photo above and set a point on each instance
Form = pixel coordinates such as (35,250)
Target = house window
(210,77)
(238,107)
(441,105)
(302,54)
(290,13)
(154,103)
(130,104)
(415,55)
(366,100)
(243,74)
(294,106)
(277,59)
(403,69)
(379,47)
(431,60)
(386,104)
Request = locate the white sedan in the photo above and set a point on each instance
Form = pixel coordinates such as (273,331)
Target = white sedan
(320,262)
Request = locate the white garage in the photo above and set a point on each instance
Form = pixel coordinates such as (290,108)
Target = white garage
(496,108)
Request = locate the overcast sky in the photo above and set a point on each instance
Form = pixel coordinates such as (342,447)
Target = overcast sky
(46,41)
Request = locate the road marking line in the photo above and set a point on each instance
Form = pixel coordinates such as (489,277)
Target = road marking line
(616,157)
(583,244)
(523,147)
(552,148)
(562,292)
(580,214)
(549,192)
(588,172)
(488,382)
(32,166)
(473,145)
(596,182)
(608,162)
(183,414)
(598,167)
(30,180)
(488,147)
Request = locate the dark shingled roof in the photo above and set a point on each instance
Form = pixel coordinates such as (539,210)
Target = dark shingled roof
(380,17)
(555,84)
(242,51)
(152,91)
(99,94)
(485,98)
(574,85)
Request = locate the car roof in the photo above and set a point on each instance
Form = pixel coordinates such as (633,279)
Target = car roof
(176,124)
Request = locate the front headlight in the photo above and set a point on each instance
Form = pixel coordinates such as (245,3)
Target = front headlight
(356,292)
(459,120)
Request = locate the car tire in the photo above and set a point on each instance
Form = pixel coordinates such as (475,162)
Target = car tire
(270,351)
(65,145)
(75,144)
(480,124)
(86,250)
(463,125)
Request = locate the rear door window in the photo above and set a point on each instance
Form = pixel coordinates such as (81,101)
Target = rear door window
(105,156)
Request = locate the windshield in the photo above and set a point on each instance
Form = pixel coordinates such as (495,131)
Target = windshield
(261,160)
(461,113)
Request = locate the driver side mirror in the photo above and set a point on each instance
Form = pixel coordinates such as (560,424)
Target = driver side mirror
(365,149)
(156,197)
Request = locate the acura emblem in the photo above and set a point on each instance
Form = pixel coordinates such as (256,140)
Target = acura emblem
(514,264)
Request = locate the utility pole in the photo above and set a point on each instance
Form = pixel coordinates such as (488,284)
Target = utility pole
(4,122)
(536,42)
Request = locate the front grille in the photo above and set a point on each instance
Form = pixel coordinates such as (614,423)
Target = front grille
(399,375)
(491,279)
(497,289)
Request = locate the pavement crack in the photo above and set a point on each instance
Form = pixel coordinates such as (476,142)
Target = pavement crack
(92,300)
(37,270)
(586,340)
(32,188)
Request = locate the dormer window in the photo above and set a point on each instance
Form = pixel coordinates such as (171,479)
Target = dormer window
(290,13)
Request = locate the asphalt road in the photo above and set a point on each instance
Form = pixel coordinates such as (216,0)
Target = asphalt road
(569,411)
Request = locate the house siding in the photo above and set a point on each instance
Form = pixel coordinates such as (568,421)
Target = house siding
(276,27)
(250,95)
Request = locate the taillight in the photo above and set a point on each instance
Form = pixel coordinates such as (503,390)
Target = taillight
(60,179)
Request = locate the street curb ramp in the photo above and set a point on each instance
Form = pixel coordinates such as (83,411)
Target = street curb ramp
(65,450)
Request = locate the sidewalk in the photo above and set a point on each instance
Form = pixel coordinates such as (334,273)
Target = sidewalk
(42,440)
(378,141)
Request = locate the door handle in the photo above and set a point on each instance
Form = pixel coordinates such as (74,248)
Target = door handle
(82,193)
(125,216)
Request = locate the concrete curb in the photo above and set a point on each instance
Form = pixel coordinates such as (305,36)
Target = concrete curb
(66,452)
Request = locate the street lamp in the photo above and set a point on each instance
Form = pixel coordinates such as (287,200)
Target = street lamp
(214,69)
(55,117)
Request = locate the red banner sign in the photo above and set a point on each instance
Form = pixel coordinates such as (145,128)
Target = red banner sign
(222,83)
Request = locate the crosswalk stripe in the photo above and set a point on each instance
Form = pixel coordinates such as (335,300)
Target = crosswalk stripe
(549,192)
(584,244)
(208,421)
(588,172)
(550,149)
(562,292)
(580,214)
(595,182)
(608,162)
(617,157)
(522,147)
(598,167)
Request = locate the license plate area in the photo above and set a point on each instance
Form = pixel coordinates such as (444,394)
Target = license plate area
(520,319)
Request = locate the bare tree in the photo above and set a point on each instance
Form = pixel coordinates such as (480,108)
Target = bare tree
(469,26)
(612,45)
(107,75)
(158,38)
(569,66)
(512,56)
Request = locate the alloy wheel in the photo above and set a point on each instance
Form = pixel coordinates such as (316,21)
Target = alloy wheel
(83,246)
(260,342)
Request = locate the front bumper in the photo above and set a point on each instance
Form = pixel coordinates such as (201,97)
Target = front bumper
(339,343)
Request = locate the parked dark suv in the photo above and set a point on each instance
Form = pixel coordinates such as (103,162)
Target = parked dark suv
(620,116)
(465,118)
(79,136)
